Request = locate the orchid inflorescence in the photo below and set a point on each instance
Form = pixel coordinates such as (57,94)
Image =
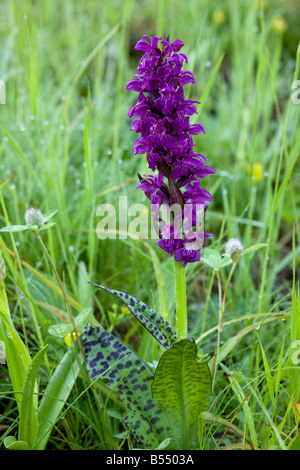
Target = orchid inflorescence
(167,139)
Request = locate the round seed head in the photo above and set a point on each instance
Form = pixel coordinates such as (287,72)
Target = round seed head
(233,248)
(34,216)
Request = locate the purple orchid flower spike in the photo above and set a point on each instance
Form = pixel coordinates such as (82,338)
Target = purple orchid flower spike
(166,136)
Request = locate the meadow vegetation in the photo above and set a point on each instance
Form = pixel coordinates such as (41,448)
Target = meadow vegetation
(66,148)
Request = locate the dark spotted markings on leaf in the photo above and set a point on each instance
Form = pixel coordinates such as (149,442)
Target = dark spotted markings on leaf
(152,321)
(132,379)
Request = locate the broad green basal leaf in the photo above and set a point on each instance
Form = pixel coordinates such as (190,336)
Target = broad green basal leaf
(154,323)
(182,384)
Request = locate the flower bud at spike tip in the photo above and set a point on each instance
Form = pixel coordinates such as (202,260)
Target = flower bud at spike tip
(2,268)
(233,248)
(34,216)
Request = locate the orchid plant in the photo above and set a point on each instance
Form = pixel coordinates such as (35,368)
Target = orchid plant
(164,409)
(166,401)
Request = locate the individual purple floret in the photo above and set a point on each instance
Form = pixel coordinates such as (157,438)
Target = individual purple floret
(166,136)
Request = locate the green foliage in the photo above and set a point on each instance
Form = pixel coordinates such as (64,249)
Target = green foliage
(20,228)
(61,330)
(65,143)
(109,358)
(295,445)
(154,323)
(16,353)
(28,414)
(55,396)
(36,421)
(182,384)
(11,443)
(215,260)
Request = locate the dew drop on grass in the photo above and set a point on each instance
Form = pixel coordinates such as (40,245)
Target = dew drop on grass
(225,173)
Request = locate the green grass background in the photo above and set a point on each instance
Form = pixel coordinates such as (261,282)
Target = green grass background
(65,145)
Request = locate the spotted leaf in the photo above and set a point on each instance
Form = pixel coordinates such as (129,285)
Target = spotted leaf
(132,378)
(182,384)
(154,323)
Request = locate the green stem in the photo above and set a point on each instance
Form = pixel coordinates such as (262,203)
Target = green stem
(222,305)
(180,298)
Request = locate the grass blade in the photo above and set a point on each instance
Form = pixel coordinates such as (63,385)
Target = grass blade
(55,396)
(28,413)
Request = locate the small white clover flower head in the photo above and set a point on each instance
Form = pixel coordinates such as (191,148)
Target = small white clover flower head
(233,248)
(34,216)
